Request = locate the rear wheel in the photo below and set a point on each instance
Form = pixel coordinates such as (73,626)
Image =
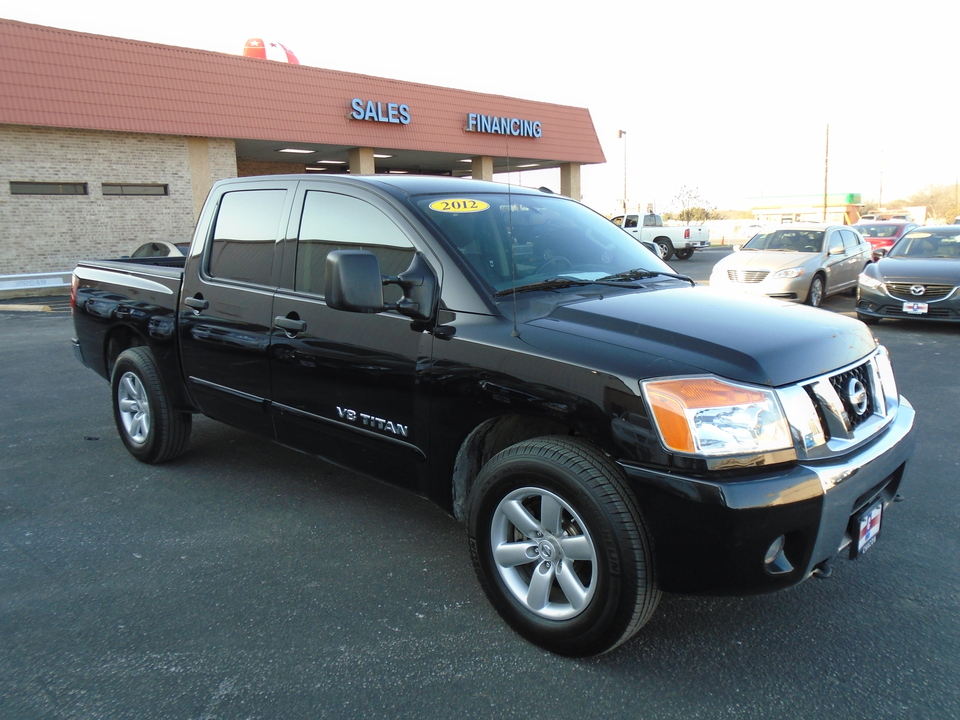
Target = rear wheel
(149,426)
(666,247)
(684,254)
(560,546)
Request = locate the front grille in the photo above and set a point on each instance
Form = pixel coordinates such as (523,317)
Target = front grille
(747,276)
(845,401)
(930,292)
(842,384)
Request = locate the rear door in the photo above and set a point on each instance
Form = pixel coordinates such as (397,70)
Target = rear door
(345,385)
(227,302)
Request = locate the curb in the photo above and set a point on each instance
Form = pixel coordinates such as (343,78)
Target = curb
(26,308)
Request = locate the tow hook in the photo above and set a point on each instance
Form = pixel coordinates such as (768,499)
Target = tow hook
(823,570)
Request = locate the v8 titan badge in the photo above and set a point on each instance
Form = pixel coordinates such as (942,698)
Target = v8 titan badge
(867,528)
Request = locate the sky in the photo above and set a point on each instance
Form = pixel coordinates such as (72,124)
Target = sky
(732,100)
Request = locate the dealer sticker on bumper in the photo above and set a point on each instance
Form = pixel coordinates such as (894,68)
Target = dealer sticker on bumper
(867,527)
(915,308)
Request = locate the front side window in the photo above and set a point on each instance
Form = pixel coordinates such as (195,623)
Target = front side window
(332,221)
(836,241)
(245,234)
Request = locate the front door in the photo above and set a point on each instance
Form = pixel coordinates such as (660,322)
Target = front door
(345,385)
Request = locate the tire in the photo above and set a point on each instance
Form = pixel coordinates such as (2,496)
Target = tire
(149,426)
(683,254)
(666,248)
(815,295)
(560,547)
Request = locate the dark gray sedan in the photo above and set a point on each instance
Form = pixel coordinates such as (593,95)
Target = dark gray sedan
(918,279)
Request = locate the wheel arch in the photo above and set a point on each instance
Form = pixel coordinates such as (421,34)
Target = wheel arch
(486,440)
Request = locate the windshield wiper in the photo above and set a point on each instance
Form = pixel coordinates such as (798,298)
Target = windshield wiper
(643,274)
(549,284)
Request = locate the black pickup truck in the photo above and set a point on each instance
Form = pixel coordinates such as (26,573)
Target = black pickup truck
(605,429)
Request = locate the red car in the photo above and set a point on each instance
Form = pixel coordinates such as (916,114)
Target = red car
(882,234)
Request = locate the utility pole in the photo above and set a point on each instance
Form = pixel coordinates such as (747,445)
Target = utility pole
(826,166)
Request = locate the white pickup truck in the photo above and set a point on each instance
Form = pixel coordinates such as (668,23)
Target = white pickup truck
(673,241)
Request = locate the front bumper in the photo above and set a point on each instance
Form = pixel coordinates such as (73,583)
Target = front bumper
(792,289)
(876,303)
(712,536)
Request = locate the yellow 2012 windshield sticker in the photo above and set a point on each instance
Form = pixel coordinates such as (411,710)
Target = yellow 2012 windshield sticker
(459,205)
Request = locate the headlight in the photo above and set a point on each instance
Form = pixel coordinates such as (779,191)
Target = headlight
(870,282)
(789,273)
(711,417)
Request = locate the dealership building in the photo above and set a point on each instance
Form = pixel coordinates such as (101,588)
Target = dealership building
(107,143)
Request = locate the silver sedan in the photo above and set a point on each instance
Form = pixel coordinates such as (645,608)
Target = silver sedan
(802,263)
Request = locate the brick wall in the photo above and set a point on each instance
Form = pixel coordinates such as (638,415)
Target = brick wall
(47,233)
(249,168)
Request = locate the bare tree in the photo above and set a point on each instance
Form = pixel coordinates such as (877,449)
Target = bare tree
(691,207)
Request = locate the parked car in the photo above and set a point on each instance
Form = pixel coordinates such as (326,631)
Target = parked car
(919,278)
(802,263)
(883,234)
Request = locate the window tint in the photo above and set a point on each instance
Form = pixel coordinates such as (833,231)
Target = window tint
(630,222)
(246,232)
(338,222)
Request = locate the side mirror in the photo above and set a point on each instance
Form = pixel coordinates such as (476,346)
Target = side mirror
(354,284)
(736,248)
(836,250)
(880,252)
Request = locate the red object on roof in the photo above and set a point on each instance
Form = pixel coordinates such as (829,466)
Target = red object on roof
(66,79)
(269,50)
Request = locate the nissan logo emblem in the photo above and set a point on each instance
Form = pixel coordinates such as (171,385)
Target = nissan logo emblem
(857,396)
(917,289)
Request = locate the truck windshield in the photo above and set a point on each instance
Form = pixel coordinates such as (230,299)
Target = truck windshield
(519,240)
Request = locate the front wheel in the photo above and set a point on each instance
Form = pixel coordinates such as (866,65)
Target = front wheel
(560,547)
(149,426)
(683,253)
(815,296)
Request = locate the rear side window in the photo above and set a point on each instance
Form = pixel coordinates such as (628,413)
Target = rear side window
(339,222)
(245,234)
(850,239)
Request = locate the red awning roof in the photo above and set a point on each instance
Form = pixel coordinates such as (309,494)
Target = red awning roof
(66,79)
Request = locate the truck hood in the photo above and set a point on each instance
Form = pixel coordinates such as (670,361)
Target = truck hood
(755,340)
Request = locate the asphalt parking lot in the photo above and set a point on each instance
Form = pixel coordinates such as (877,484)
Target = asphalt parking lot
(244,580)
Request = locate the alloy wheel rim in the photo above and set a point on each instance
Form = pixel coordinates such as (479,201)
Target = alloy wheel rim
(544,553)
(134,407)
